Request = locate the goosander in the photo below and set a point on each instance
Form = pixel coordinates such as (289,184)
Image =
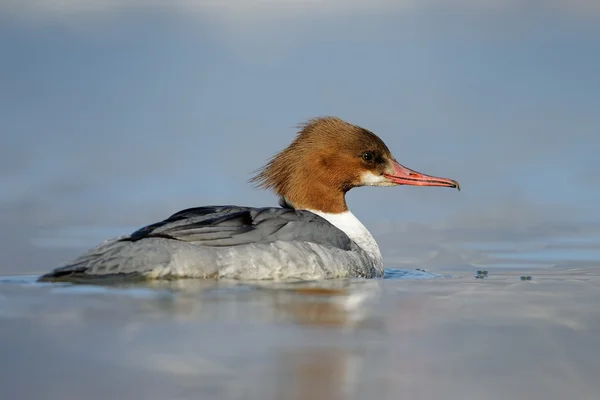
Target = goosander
(311,236)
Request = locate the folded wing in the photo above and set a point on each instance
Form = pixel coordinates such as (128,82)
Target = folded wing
(218,226)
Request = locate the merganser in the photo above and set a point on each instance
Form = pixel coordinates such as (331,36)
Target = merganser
(311,236)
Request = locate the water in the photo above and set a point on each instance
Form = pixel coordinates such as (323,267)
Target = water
(432,333)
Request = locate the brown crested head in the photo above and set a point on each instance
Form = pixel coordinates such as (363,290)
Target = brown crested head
(327,158)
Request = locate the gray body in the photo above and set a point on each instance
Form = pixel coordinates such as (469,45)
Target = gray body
(227,242)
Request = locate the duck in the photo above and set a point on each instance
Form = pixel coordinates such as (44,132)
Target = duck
(310,235)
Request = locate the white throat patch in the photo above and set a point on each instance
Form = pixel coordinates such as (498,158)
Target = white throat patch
(351,226)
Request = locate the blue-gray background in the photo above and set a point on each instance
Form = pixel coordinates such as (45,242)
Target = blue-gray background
(115,116)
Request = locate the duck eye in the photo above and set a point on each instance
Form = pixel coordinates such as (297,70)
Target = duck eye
(368,156)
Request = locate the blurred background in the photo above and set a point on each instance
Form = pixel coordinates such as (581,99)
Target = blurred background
(115,114)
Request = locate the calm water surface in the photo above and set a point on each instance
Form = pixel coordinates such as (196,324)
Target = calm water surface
(443,334)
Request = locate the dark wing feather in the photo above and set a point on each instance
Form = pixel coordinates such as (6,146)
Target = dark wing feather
(232,225)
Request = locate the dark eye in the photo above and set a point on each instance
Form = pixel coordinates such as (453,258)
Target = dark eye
(368,156)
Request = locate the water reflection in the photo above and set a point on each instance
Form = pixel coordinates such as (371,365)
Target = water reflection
(318,374)
(450,336)
(339,303)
